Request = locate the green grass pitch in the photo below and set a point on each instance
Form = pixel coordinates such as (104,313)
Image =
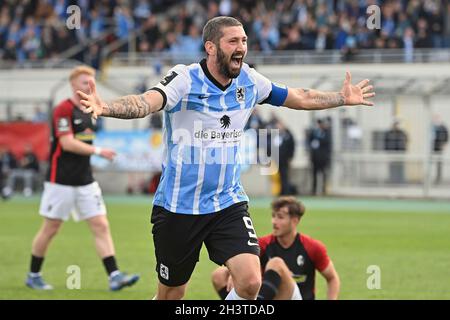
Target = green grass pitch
(408,240)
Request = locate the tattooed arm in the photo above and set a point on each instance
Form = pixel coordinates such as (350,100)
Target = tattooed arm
(308,99)
(133,106)
(127,107)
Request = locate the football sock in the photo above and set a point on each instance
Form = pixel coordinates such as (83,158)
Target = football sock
(270,283)
(232,295)
(110,264)
(223,293)
(36,264)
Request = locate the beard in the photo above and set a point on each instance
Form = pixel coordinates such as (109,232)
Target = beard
(225,67)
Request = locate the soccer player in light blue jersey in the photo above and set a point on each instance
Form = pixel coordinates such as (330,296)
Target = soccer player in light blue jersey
(200,198)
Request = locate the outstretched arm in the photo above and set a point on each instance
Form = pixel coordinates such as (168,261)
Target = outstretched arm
(126,107)
(308,99)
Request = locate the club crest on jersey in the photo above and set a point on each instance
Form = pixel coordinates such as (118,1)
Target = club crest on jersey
(240,94)
(300,260)
(225,121)
(63,125)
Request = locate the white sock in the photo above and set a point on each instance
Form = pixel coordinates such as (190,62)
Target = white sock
(296,295)
(232,295)
(34,274)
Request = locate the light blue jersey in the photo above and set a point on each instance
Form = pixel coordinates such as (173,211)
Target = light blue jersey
(203,127)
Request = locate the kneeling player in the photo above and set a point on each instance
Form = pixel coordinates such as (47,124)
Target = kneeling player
(288,259)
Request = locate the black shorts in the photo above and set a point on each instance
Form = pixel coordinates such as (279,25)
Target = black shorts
(178,239)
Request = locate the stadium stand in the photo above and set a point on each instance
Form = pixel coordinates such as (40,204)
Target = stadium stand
(35,30)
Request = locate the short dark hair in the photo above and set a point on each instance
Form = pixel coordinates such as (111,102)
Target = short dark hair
(295,207)
(212,31)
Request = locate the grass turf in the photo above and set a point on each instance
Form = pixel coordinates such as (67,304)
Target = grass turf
(408,240)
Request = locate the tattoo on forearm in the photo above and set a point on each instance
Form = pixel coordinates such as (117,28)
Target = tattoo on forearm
(328,99)
(128,107)
(323,100)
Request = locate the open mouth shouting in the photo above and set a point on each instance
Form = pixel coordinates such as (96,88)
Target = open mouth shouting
(236,60)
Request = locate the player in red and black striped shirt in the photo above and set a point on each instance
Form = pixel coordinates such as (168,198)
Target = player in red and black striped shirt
(289,259)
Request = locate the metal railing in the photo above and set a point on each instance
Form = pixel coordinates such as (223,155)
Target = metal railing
(293,57)
(130,57)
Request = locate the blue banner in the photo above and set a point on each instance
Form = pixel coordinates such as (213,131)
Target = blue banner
(136,150)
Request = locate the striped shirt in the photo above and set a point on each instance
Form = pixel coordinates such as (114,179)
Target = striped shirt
(203,127)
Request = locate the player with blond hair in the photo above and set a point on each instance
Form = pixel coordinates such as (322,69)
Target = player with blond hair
(70,187)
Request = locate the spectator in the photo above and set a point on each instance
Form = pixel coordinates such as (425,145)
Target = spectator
(151,30)
(323,41)
(319,143)
(447,27)
(294,40)
(436,23)
(141,86)
(191,44)
(5,21)
(395,142)
(97,24)
(440,139)
(286,145)
(8,163)
(14,33)
(31,45)
(156,121)
(124,22)
(141,11)
(28,169)
(10,51)
(408,44)
(423,39)
(255,121)
(269,36)
(225,7)
(94,57)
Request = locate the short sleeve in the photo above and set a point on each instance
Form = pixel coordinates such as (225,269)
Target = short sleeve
(268,92)
(174,86)
(263,244)
(317,252)
(62,120)
(320,256)
(263,85)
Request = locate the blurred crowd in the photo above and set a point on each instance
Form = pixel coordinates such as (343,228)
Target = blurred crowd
(36,29)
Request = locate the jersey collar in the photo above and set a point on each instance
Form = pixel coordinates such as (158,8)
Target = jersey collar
(211,78)
(297,238)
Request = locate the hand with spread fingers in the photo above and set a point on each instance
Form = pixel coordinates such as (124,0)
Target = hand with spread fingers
(357,94)
(91,103)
